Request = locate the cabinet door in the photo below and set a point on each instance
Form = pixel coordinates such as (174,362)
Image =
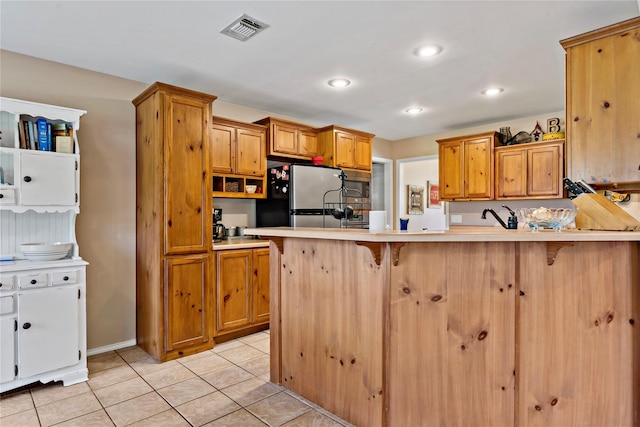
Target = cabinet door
(511,174)
(478,162)
(450,170)
(47,330)
(186,298)
(233,288)
(345,149)
(7,349)
(308,143)
(222,153)
(261,285)
(544,171)
(363,153)
(603,101)
(250,152)
(285,139)
(187,199)
(47,179)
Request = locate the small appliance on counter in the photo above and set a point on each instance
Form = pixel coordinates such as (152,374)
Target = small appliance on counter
(219,230)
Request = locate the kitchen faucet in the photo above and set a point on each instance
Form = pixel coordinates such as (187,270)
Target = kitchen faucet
(513,221)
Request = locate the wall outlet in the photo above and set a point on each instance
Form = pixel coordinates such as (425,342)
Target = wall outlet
(456,219)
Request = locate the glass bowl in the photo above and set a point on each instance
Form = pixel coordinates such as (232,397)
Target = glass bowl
(555,218)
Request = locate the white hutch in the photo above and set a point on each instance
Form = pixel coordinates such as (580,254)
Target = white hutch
(42,303)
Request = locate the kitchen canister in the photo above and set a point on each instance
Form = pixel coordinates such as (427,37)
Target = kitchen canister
(377,221)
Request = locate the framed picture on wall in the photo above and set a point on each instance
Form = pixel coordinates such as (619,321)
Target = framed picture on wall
(433,201)
(415,196)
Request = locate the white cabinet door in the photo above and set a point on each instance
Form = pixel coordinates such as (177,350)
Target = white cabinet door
(7,349)
(47,180)
(47,330)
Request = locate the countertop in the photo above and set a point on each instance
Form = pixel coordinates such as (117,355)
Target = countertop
(247,243)
(454,234)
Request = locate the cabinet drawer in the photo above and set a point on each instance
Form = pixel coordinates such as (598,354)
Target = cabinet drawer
(8,196)
(6,305)
(64,277)
(7,282)
(28,281)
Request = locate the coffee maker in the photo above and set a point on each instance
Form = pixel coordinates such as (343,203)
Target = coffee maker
(219,230)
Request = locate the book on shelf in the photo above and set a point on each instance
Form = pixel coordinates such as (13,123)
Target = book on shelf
(42,134)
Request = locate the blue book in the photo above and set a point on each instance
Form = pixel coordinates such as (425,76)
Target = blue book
(42,134)
(49,137)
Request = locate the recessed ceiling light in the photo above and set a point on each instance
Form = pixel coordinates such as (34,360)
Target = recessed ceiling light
(338,82)
(429,50)
(492,91)
(413,110)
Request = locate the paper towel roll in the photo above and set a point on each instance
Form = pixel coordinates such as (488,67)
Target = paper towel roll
(377,220)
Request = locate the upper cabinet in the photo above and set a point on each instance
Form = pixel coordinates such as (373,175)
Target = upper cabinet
(346,148)
(39,157)
(532,170)
(289,139)
(603,105)
(238,160)
(465,167)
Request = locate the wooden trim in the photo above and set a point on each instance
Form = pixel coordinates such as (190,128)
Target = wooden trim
(553,248)
(599,33)
(217,120)
(344,129)
(492,134)
(157,86)
(278,241)
(395,251)
(375,248)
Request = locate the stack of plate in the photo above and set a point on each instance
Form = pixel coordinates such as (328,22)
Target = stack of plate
(45,251)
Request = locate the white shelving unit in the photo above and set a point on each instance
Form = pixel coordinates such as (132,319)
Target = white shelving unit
(42,303)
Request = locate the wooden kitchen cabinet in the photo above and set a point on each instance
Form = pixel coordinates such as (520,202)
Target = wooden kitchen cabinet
(238,157)
(346,148)
(289,139)
(173,221)
(529,171)
(465,167)
(603,106)
(242,290)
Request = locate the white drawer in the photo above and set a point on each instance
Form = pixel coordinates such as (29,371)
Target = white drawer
(8,196)
(7,282)
(28,281)
(64,277)
(7,305)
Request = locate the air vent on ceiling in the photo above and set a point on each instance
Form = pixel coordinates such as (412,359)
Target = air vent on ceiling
(244,27)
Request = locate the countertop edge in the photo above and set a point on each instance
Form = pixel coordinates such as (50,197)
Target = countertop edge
(455,234)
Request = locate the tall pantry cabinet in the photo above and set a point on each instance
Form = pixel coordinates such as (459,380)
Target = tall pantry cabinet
(174,259)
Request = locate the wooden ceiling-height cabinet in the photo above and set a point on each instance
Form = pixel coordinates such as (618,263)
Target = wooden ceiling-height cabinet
(532,170)
(346,148)
(290,140)
(603,106)
(173,221)
(465,167)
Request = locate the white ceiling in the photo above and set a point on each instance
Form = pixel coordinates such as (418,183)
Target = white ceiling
(284,70)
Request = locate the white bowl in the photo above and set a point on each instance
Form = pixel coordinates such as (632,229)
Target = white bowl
(251,188)
(45,247)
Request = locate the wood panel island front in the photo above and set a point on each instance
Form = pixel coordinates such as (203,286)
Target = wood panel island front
(469,327)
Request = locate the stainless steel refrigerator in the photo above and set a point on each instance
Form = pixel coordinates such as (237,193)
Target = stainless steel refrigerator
(301,195)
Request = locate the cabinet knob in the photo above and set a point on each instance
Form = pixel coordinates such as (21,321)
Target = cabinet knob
(26,325)
(1,195)
(34,281)
(65,278)
(0,285)
(27,179)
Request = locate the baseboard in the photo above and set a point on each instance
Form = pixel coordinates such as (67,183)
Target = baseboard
(110,347)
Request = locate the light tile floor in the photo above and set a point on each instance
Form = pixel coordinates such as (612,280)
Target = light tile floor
(227,386)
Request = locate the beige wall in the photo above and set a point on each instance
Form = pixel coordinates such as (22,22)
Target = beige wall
(106,225)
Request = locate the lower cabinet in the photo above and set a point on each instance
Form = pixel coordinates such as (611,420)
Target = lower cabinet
(42,326)
(186,302)
(242,289)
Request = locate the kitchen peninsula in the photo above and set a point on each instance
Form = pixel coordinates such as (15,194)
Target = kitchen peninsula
(476,326)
